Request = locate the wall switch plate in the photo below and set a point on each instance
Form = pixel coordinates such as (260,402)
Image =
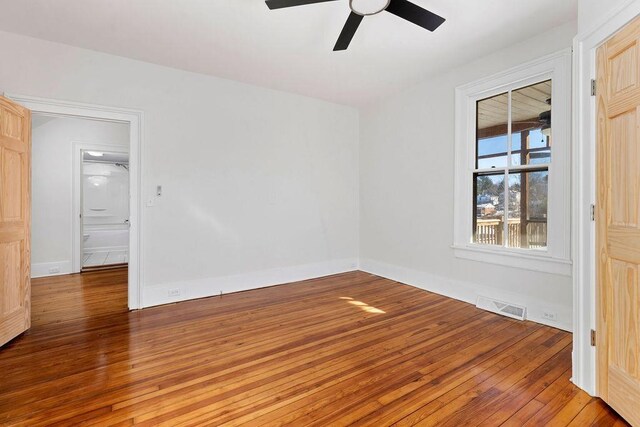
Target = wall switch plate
(174,292)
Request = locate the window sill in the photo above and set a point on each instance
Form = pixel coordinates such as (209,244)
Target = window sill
(514,258)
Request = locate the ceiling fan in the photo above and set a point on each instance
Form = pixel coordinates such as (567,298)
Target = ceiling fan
(402,8)
(543,120)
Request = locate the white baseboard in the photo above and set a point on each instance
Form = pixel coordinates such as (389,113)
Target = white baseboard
(45,269)
(468,292)
(213,286)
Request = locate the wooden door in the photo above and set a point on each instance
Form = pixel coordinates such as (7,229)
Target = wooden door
(618,222)
(15,214)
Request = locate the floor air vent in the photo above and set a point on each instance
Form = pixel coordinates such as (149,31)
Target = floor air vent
(506,309)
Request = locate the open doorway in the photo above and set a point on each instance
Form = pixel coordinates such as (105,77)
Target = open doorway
(80,197)
(104,207)
(80,216)
(132,120)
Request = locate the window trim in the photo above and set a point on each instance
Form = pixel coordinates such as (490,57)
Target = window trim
(557,257)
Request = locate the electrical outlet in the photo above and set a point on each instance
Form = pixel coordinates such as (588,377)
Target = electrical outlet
(174,292)
(53,270)
(550,315)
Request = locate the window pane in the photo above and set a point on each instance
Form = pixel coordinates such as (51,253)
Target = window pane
(491,132)
(531,124)
(488,226)
(528,195)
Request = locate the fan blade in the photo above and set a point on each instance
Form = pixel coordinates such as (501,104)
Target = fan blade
(413,13)
(348,31)
(279,4)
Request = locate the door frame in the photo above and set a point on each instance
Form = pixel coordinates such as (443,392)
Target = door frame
(585,45)
(77,232)
(135,119)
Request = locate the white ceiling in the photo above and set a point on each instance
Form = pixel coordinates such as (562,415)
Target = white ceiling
(288,49)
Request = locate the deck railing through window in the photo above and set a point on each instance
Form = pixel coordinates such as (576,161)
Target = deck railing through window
(491,232)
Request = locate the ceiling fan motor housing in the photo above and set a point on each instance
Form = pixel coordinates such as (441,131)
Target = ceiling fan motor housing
(368,7)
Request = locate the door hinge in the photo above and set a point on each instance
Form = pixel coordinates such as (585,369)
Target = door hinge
(593,87)
(593,338)
(592,211)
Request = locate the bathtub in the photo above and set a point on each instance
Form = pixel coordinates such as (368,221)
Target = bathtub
(105,238)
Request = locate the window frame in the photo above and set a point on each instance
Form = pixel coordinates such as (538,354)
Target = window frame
(556,258)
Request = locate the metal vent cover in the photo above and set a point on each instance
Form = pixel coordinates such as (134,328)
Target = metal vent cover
(514,311)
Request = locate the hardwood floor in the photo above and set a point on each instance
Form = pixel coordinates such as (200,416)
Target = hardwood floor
(78,296)
(351,349)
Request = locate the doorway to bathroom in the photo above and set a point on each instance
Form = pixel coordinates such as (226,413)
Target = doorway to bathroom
(104,208)
(57,231)
(80,194)
(80,198)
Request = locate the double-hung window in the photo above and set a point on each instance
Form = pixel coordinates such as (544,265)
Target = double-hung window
(511,176)
(512,198)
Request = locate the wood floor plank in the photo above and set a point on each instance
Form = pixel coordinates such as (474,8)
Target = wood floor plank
(449,382)
(348,349)
(589,414)
(387,369)
(455,406)
(532,407)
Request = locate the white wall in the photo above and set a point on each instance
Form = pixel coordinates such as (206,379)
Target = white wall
(591,12)
(52,185)
(406,199)
(260,186)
